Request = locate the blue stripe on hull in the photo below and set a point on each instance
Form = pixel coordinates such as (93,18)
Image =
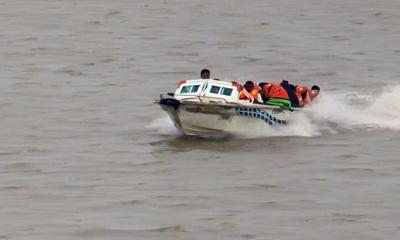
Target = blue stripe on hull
(260,114)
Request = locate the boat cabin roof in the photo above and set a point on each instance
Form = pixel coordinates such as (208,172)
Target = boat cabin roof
(209,88)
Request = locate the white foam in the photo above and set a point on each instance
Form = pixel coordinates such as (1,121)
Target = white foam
(163,125)
(355,111)
(300,126)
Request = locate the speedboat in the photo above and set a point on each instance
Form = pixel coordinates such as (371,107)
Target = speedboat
(212,108)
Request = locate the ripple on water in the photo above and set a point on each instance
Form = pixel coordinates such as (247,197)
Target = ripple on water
(171,228)
(113,13)
(251,59)
(348,217)
(21,167)
(7,153)
(266,186)
(348,156)
(149,163)
(14,188)
(247,236)
(28,39)
(108,232)
(354,169)
(269,204)
(72,72)
(258,186)
(133,202)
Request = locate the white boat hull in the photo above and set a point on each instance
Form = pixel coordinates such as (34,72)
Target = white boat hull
(214,120)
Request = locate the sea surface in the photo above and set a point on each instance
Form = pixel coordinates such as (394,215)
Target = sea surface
(86,154)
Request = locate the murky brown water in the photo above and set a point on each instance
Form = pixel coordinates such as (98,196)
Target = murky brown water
(85,154)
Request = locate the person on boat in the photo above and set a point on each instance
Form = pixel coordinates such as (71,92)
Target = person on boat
(253,91)
(205,73)
(314,91)
(276,95)
(305,95)
(290,90)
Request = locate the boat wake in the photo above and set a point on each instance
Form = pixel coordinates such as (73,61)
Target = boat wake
(331,113)
(336,112)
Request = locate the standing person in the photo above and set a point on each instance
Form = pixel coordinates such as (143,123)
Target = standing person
(205,73)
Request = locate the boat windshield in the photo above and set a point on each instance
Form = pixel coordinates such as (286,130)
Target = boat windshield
(195,88)
(214,89)
(226,91)
(190,89)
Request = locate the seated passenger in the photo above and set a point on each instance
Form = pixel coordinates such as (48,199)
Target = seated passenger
(276,95)
(290,89)
(314,91)
(237,85)
(303,95)
(300,95)
(253,92)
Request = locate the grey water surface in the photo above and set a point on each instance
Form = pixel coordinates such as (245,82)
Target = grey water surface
(78,160)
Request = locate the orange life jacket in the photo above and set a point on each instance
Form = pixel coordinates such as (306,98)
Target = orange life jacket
(238,86)
(243,96)
(274,90)
(303,95)
(253,92)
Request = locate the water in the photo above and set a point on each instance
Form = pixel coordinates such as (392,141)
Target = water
(85,154)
